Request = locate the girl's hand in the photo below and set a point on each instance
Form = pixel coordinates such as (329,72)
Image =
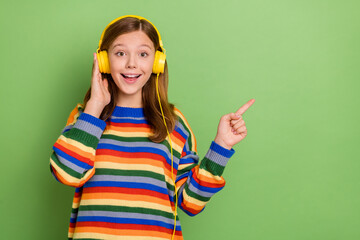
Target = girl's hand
(232,129)
(100,95)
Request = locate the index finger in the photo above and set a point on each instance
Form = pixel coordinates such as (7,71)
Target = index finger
(245,107)
(95,64)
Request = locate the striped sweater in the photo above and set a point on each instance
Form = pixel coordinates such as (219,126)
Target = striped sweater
(122,180)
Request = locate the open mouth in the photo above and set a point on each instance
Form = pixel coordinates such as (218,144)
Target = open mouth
(131,77)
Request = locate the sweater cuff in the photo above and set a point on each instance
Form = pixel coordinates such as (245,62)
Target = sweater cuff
(90,124)
(216,159)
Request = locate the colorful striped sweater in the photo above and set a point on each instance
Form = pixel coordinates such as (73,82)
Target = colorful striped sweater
(124,188)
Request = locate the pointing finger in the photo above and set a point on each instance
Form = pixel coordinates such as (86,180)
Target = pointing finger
(245,107)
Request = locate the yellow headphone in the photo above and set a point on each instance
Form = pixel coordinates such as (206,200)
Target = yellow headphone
(103,59)
(158,67)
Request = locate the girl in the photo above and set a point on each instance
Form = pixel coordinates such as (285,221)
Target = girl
(130,154)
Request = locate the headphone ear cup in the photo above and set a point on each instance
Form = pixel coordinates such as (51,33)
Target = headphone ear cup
(103,61)
(159,62)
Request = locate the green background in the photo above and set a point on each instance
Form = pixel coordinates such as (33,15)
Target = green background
(297,173)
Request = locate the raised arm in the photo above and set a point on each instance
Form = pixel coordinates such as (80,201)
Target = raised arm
(197,183)
(72,159)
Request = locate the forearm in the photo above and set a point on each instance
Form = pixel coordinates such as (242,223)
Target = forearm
(94,108)
(204,180)
(72,159)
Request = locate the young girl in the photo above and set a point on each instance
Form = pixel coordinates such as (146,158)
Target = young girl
(130,153)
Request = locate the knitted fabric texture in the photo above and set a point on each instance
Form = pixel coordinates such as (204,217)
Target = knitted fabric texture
(122,180)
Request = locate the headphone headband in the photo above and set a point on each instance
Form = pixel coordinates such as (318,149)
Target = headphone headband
(159,58)
(134,16)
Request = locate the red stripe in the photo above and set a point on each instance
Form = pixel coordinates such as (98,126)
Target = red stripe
(116,153)
(145,192)
(191,210)
(135,125)
(77,195)
(74,154)
(206,184)
(127,226)
(178,136)
(150,156)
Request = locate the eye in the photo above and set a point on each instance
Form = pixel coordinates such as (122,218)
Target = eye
(120,54)
(144,54)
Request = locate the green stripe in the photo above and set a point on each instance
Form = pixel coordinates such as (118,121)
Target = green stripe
(189,139)
(75,210)
(196,196)
(186,169)
(82,137)
(85,239)
(170,186)
(212,167)
(65,168)
(126,139)
(137,173)
(127,209)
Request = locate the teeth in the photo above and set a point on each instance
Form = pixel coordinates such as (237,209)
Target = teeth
(131,76)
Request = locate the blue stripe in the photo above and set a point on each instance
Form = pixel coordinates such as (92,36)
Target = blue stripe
(202,188)
(185,136)
(187,160)
(184,175)
(147,186)
(54,175)
(186,211)
(121,120)
(65,131)
(131,149)
(93,120)
(137,150)
(71,159)
(221,150)
(127,221)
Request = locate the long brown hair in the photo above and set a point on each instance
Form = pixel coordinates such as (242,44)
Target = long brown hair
(150,102)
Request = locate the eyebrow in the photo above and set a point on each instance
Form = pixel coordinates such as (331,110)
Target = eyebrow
(142,45)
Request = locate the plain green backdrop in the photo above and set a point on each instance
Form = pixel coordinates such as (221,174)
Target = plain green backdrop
(297,173)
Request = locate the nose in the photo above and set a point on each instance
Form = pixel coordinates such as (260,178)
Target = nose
(131,61)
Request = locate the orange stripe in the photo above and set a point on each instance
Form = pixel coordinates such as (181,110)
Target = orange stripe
(124,196)
(77,184)
(204,178)
(76,149)
(176,140)
(76,199)
(114,159)
(180,182)
(201,178)
(210,180)
(129,129)
(125,232)
(74,112)
(188,126)
(193,206)
(121,160)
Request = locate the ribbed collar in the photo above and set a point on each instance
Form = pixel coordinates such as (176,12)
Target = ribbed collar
(128,112)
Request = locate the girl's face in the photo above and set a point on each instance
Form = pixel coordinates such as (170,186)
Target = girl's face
(131,58)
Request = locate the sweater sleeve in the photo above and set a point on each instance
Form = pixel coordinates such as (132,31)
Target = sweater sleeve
(72,159)
(197,183)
